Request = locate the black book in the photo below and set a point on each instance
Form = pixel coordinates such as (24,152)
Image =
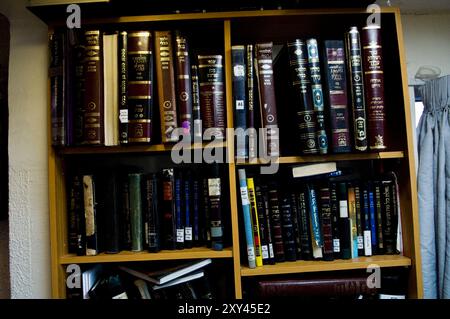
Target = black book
(90,215)
(334,204)
(305,229)
(196,212)
(111,214)
(276,223)
(296,223)
(168,236)
(344,221)
(262,202)
(379,214)
(75,215)
(359,219)
(290,250)
(206,224)
(188,207)
(215,205)
(151,213)
(124,212)
(389,222)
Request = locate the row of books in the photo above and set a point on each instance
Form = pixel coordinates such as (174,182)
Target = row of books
(103,88)
(174,209)
(319,217)
(329,82)
(184,281)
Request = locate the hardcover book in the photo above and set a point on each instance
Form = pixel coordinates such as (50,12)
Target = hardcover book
(246,211)
(239,100)
(137,228)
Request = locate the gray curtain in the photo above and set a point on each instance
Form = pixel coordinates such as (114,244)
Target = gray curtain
(434,188)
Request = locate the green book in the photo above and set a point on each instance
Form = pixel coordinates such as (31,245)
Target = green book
(137,236)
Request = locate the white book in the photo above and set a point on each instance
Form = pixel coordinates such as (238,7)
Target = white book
(110,89)
(313,169)
(180,280)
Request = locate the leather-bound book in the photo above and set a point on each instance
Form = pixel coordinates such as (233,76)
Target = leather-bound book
(151,212)
(374,86)
(123,87)
(335,70)
(183,83)
(140,87)
(93,88)
(79,89)
(251,102)
(56,73)
(90,216)
(165,79)
(326,223)
(137,227)
(356,87)
(196,111)
(301,84)
(275,220)
(264,75)
(111,215)
(212,99)
(305,224)
(168,209)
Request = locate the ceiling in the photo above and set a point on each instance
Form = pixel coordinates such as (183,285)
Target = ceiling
(419,6)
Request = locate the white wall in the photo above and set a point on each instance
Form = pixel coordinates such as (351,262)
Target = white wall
(427,42)
(28,208)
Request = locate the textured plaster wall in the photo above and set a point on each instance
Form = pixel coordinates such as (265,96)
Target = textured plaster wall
(28,206)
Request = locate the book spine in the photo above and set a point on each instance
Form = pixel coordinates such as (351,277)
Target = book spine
(211,79)
(152,213)
(93,89)
(166,85)
(374,86)
(112,226)
(388,227)
(168,209)
(334,203)
(215,204)
(354,61)
(239,100)
(179,220)
(269,121)
(379,212)
(295,223)
(78,125)
(301,83)
(326,221)
(207,214)
(337,96)
(344,222)
(305,229)
(56,73)
(317,94)
(353,220)
(316,232)
(90,215)
(140,87)
(275,220)
(188,207)
(246,210)
(262,222)
(396,221)
(373,220)
(359,221)
(290,250)
(184,85)
(250,83)
(123,87)
(196,109)
(137,236)
(255,222)
(367,229)
(69,85)
(74,198)
(196,205)
(125,219)
(267,214)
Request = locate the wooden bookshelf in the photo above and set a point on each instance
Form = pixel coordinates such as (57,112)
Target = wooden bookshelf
(302,266)
(242,27)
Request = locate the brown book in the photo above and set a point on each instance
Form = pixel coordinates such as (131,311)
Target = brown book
(140,85)
(166,85)
(374,86)
(184,85)
(264,74)
(212,95)
(93,88)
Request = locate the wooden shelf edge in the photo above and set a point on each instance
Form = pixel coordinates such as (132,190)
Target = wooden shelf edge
(330,158)
(303,266)
(158,148)
(128,256)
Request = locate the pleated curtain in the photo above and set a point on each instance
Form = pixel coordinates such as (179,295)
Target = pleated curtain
(434,188)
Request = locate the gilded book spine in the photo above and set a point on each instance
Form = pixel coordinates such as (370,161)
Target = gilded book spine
(166,85)
(183,80)
(123,88)
(353,47)
(93,89)
(196,113)
(301,83)
(212,95)
(374,79)
(140,84)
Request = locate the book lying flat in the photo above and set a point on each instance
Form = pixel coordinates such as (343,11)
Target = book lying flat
(163,276)
(313,169)
(180,280)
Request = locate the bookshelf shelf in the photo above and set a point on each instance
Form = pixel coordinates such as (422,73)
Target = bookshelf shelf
(314,266)
(157,148)
(129,256)
(330,158)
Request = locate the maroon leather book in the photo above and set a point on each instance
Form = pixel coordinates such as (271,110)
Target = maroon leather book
(212,95)
(166,85)
(140,97)
(264,73)
(374,86)
(93,88)
(326,223)
(183,80)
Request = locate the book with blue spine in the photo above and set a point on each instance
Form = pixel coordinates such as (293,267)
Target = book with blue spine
(197,238)
(179,225)
(247,219)
(316,233)
(373,221)
(187,188)
(238,54)
(367,228)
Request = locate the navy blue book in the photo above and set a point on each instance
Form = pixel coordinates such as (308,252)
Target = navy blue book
(196,206)
(187,193)
(373,220)
(179,222)
(366,224)
(239,100)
